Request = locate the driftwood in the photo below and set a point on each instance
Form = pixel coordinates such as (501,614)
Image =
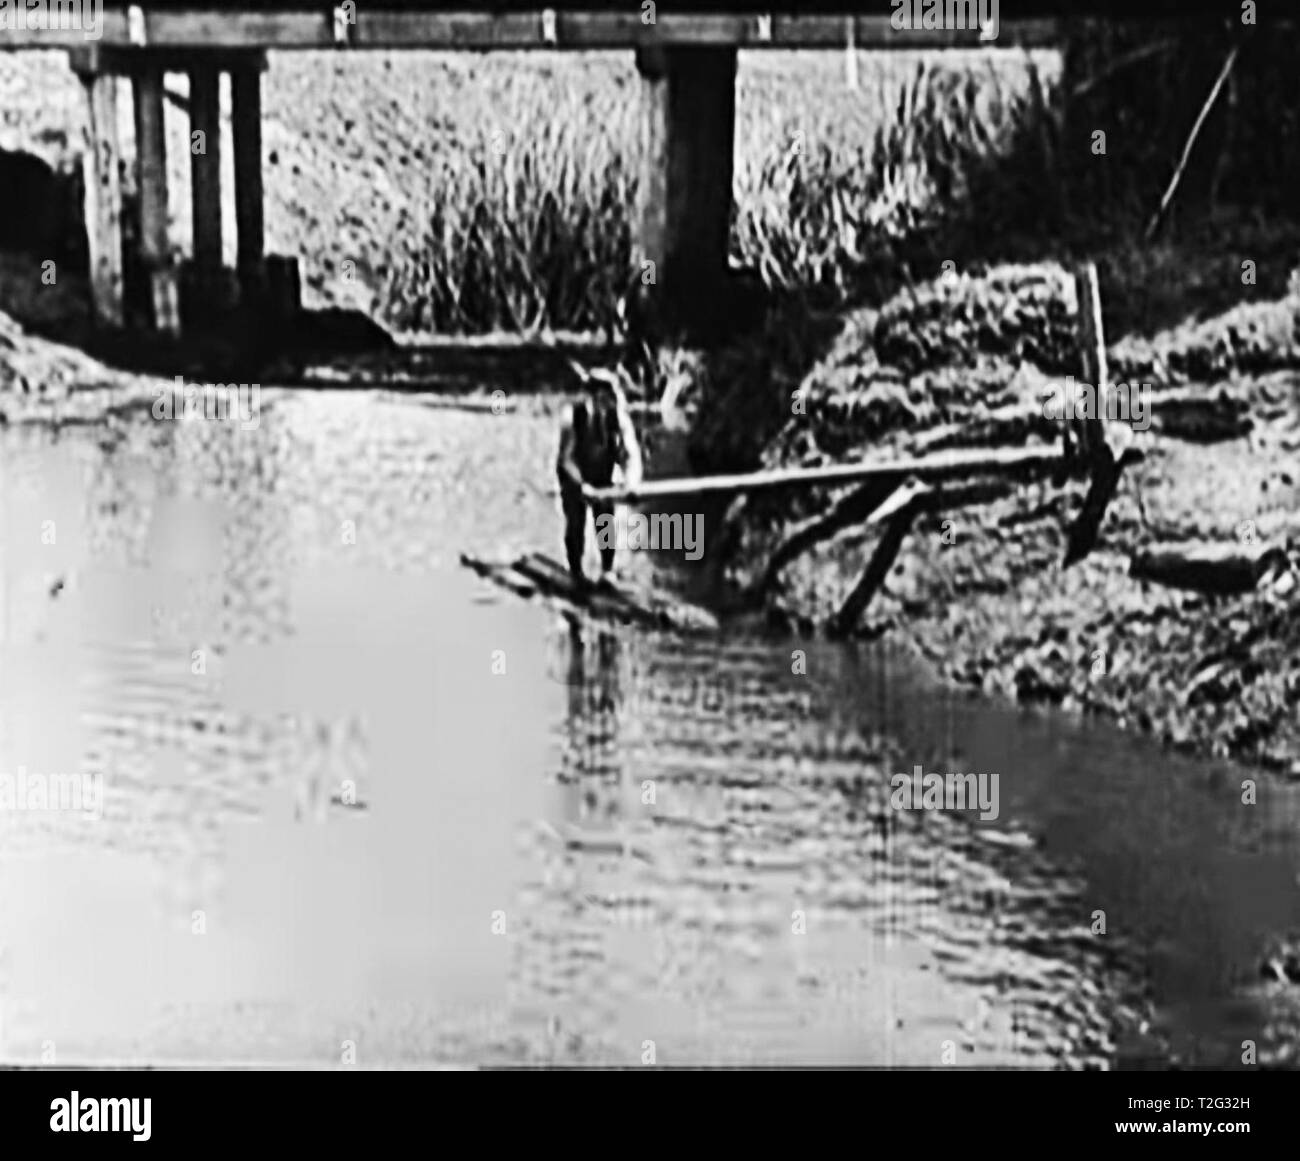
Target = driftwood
(1195,417)
(1208,567)
(898,515)
(856,506)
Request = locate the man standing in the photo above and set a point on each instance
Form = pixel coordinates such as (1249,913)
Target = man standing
(598,436)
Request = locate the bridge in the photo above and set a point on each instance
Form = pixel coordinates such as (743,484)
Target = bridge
(685,55)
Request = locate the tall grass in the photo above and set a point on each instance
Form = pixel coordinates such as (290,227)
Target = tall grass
(526,228)
(531,227)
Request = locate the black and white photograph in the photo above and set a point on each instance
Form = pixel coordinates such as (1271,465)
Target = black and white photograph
(649,537)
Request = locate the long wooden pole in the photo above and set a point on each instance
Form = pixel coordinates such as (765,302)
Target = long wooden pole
(942,465)
(1163,208)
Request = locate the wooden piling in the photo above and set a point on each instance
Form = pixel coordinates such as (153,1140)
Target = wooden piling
(100,157)
(205,175)
(684,215)
(246,132)
(151,171)
(1102,446)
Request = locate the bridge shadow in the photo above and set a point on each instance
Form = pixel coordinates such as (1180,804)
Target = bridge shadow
(327,349)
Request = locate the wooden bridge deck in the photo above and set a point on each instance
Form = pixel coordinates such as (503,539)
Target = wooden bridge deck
(519,24)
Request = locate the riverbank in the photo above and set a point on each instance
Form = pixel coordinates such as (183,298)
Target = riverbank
(980,592)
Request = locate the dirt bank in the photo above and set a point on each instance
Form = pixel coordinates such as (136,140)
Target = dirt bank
(981,591)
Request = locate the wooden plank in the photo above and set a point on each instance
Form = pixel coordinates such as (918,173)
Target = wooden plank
(878,32)
(942,465)
(151,169)
(103,191)
(211,28)
(447,30)
(525,30)
(111,27)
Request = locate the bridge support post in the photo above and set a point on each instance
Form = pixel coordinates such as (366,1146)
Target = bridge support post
(151,163)
(205,179)
(684,216)
(100,154)
(246,133)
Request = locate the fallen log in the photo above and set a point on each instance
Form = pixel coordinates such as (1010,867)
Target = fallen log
(957,462)
(857,505)
(873,576)
(1206,566)
(1195,417)
(898,514)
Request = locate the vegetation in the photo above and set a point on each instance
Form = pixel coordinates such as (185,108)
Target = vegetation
(530,226)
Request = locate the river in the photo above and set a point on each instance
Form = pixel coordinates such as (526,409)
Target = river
(353,806)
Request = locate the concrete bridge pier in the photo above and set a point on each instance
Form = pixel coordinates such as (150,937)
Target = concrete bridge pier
(684,215)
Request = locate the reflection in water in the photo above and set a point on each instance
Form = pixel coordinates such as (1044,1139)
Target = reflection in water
(592,772)
(439,822)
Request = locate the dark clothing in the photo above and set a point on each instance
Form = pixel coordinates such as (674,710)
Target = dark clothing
(598,443)
(595,443)
(574,506)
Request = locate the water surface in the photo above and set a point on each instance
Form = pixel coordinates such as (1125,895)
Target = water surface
(358,806)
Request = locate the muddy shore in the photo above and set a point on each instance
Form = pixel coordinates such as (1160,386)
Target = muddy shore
(980,592)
